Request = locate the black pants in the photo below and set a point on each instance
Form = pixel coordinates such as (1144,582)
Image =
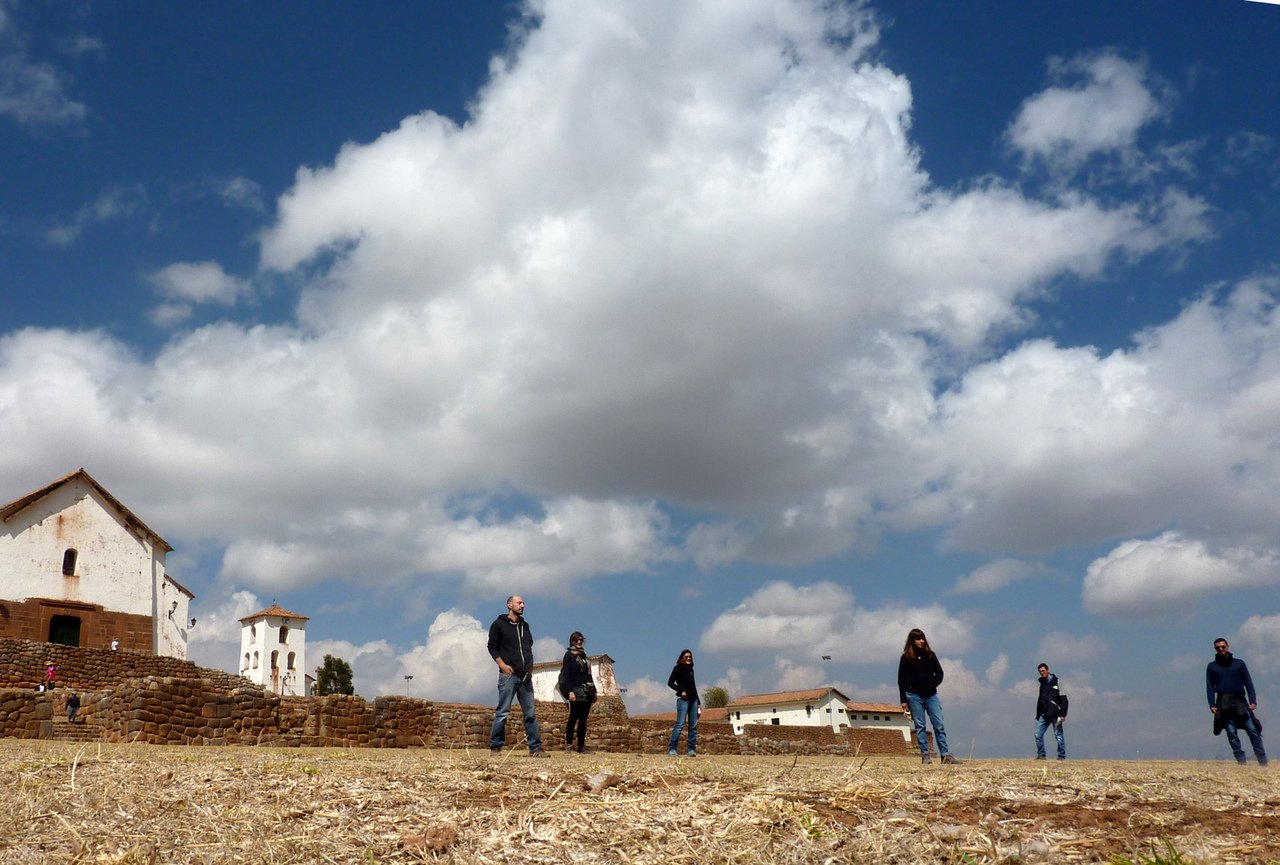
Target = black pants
(578,710)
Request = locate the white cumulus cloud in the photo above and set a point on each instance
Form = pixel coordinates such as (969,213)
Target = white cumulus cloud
(1171,571)
(1100,103)
(802,623)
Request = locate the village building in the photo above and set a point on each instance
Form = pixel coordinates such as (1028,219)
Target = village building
(79,568)
(816,707)
(547,673)
(882,716)
(273,651)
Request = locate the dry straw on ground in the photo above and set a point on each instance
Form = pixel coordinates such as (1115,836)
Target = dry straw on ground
(149,804)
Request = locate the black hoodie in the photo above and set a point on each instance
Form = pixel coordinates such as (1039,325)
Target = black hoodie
(512,642)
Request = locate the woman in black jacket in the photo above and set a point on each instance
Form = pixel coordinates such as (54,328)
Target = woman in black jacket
(687,703)
(576,686)
(919,675)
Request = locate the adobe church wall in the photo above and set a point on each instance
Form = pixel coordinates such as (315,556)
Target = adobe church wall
(29,620)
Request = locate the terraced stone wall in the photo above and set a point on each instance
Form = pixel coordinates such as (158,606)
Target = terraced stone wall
(131,697)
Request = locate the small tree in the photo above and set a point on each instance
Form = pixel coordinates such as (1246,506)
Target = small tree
(715,697)
(334,677)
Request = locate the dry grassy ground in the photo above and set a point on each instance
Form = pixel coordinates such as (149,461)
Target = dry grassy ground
(147,804)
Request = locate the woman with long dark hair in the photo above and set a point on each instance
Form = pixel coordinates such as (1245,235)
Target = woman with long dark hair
(919,675)
(688,705)
(579,688)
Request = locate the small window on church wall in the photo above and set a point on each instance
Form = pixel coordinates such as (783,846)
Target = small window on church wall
(255,660)
(246,661)
(253,632)
(275,660)
(69,563)
(284,633)
(292,658)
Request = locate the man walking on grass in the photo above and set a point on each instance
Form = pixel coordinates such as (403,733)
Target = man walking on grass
(511,647)
(1232,699)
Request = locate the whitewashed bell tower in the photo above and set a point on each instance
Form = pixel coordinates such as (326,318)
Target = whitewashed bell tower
(273,645)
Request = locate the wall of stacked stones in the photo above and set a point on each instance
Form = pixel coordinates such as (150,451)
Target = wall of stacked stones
(132,697)
(26,715)
(719,738)
(714,737)
(813,741)
(22,664)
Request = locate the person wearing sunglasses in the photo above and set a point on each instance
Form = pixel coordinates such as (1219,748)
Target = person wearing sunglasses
(578,687)
(1232,699)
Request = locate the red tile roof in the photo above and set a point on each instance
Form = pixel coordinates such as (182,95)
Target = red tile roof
(707,715)
(891,708)
(277,611)
(808,696)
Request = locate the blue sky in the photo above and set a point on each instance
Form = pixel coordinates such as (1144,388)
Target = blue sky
(768,329)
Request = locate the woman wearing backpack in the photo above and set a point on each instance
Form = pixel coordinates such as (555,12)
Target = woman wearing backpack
(576,686)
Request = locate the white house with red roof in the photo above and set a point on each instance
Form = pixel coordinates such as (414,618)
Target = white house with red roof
(816,707)
(273,650)
(79,568)
(886,716)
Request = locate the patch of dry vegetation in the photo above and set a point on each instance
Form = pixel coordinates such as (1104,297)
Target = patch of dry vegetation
(94,803)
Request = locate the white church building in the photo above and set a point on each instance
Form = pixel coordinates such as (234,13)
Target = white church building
(79,568)
(273,651)
(547,673)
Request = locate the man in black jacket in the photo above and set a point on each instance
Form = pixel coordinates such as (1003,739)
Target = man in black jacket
(1051,710)
(511,646)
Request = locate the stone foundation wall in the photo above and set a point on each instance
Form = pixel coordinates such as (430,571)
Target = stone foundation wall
(811,741)
(22,664)
(26,715)
(718,738)
(129,697)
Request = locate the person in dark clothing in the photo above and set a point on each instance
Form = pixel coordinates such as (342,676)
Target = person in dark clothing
(1051,711)
(73,706)
(511,647)
(688,705)
(579,688)
(1232,699)
(919,675)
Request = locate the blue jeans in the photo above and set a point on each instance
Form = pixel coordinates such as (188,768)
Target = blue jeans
(1043,724)
(1255,739)
(933,706)
(685,709)
(520,688)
